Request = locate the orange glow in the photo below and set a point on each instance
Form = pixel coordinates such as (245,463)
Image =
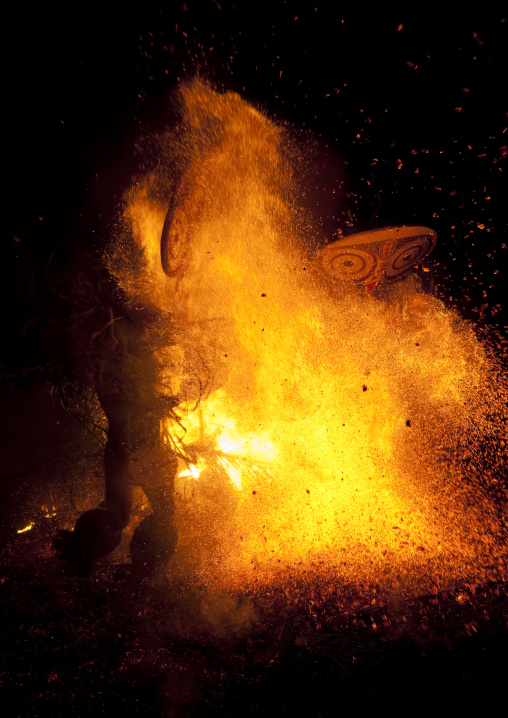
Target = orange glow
(27,528)
(193,471)
(321,430)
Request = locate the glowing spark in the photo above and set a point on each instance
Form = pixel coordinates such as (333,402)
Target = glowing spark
(193,471)
(27,528)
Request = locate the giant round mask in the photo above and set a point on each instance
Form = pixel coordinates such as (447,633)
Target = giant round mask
(379,254)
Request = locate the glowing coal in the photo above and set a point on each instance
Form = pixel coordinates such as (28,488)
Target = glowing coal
(319,429)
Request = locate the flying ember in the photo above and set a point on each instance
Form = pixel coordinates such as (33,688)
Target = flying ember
(321,426)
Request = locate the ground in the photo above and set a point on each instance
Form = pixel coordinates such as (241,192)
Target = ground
(100,640)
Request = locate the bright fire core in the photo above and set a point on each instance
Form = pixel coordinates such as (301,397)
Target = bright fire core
(321,430)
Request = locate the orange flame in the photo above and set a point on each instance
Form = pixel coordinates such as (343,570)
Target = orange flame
(26,528)
(329,422)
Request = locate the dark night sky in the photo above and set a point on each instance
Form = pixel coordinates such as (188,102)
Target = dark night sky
(415,104)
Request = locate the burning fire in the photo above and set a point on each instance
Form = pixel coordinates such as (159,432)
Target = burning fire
(48,511)
(319,429)
(26,528)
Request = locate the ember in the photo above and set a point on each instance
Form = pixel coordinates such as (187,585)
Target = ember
(288,464)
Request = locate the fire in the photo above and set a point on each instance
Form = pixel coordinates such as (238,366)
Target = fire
(26,528)
(193,471)
(48,512)
(234,474)
(320,429)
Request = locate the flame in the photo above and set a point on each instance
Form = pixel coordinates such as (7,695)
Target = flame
(27,528)
(322,430)
(230,446)
(234,474)
(193,471)
(49,513)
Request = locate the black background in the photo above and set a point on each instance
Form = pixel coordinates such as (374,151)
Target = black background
(414,103)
